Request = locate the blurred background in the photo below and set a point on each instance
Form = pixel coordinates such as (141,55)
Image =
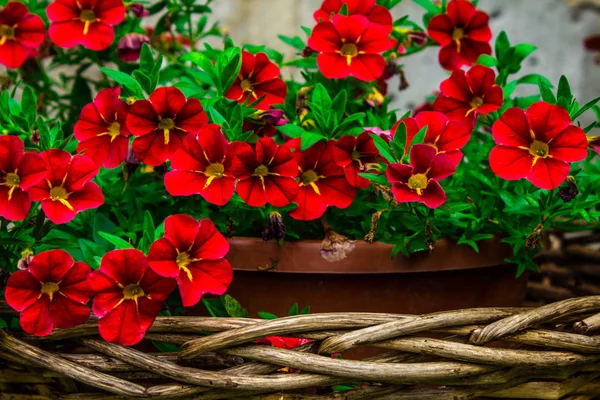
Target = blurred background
(557,27)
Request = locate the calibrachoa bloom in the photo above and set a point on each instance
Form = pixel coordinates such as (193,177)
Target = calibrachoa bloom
(465,95)
(443,135)
(537,145)
(322,181)
(192,252)
(350,46)
(20,34)
(203,166)
(258,77)
(66,189)
(128,295)
(463,33)
(354,153)
(85,22)
(266,175)
(101,129)
(18,172)
(419,180)
(161,123)
(375,13)
(51,293)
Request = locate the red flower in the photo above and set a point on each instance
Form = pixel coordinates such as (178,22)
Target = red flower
(374,13)
(443,135)
(419,180)
(128,296)
(203,166)
(67,189)
(50,293)
(537,145)
(283,342)
(463,33)
(258,77)
(267,175)
(20,34)
(192,252)
(101,129)
(465,95)
(18,172)
(161,123)
(350,46)
(85,22)
(322,181)
(353,154)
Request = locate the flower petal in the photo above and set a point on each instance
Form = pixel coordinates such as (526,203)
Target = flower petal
(31,170)
(142,118)
(547,120)
(570,145)
(548,173)
(22,290)
(433,196)
(440,29)
(161,258)
(184,183)
(457,86)
(181,230)
(66,313)
(122,325)
(510,163)
(333,65)
(211,277)
(11,151)
(367,67)
(310,204)
(167,101)
(17,208)
(36,319)
(51,265)
(81,170)
(191,118)
(441,167)
(512,129)
(74,284)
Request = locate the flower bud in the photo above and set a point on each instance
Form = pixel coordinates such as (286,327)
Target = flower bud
(130,46)
(138,10)
(275,229)
(568,193)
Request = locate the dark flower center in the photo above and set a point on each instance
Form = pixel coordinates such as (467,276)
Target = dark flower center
(476,102)
(166,123)
(133,292)
(309,177)
(261,170)
(7,32)
(87,16)
(12,180)
(114,130)
(458,34)
(355,155)
(58,193)
(539,149)
(49,288)
(246,85)
(418,182)
(216,170)
(349,50)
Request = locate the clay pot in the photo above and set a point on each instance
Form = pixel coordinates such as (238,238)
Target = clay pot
(270,277)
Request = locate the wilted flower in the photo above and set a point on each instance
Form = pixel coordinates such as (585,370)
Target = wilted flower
(3,278)
(130,46)
(568,193)
(138,10)
(25,260)
(335,247)
(35,137)
(275,229)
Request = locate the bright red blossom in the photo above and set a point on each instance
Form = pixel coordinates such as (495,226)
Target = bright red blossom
(85,22)
(419,180)
(266,175)
(374,13)
(283,342)
(50,293)
(161,123)
(101,129)
(203,166)
(443,135)
(66,189)
(18,172)
(192,252)
(537,145)
(258,77)
(350,46)
(463,33)
(322,181)
(466,95)
(20,34)
(354,154)
(128,296)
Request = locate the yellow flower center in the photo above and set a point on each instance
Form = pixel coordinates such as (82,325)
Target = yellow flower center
(539,149)
(246,85)
(349,50)
(133,292)
(58,193)
(49,288)
(418,182)
(6,32)
(12,180)
(355,155)
(476,102)
(261,170)
(114,130)
(217,170)
(458,34)
(309,177)
(87,16)
(166,123)
(183,260)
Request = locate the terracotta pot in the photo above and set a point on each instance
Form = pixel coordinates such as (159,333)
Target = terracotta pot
(270,277)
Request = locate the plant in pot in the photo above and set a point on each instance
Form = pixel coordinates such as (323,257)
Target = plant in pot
(172,164)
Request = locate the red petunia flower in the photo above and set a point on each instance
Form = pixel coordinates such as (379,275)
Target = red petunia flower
(85,22)
(161,123)
(283,342)
(203,166)
(350,46)
(419,180)
(267,175)
(537,145)
(18,172)
(67,189)
(322,181)
(128,296)
(51,293)
(354,153)
(20,34)
(258,77)
(443,135)
(466,95)
(463,33)
(101,129)
(192,252)
(374,13)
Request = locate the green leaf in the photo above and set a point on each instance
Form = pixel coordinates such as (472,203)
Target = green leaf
(233,307)
(383,148)
(344,9)
(546,92)
(564,89)
(305,310)
(90,250)
(293,310)
(146,59)
(291,130)
(533,79)
(522,51)
(428,6)
(267,315)
(228,65)
(296,42)
(487,60)
(166,347)
(501,47)
(125,80)
(205,63)
(29,104)
(377,178)
(338,106)
(310,138)
(585,107)
(117,241)
(320,98)
(417,139)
